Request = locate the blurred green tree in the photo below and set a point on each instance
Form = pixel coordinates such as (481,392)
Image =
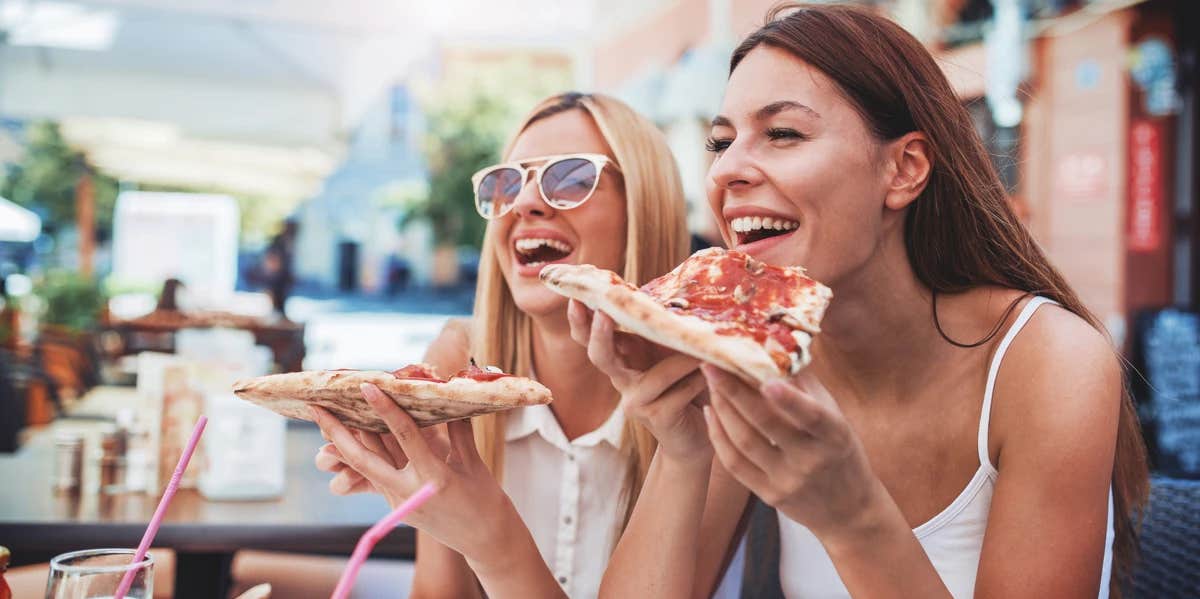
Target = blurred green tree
(45,179)
(469,116)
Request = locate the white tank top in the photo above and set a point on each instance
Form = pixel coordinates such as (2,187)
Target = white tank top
(952,539)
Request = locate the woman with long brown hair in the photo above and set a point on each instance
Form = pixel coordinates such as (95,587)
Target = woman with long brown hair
(585,179)
(964,428)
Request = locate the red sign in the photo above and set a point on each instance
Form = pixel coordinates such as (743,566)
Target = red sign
(1145,186)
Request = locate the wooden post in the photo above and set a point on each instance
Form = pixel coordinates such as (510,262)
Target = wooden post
(85,221)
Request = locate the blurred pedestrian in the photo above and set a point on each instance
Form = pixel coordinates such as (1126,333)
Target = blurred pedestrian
(277,266)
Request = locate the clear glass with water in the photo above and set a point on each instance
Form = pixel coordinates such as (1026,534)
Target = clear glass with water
(96,574)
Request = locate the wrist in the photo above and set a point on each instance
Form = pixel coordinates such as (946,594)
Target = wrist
(691,464)
(502,542)
(873,524)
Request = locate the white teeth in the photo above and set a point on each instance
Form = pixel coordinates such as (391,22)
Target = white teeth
(530,244)
(745,224)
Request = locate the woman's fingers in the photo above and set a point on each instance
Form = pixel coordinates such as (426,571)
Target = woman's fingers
(393,448)
(328,459)
(349,482)
(683,392)
(579,317)
(750,405)
(749,441)
(734,461)
(407,434)
(662,376)
(353,453)
(796,407)
(602,350)
(462,441)
(374,443)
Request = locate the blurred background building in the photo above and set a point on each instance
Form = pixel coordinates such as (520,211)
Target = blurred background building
(326,117)
(1089,109)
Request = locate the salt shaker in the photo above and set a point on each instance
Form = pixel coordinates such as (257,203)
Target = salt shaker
(68,461)
(112,461)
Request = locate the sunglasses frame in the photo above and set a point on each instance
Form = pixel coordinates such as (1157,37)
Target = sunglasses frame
(599,161)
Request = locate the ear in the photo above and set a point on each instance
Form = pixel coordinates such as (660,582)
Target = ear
(911,164)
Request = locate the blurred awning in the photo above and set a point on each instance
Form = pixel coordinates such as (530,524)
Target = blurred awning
(17,223)
(247,96)
(254,97)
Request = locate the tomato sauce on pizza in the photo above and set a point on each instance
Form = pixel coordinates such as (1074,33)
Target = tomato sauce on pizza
(742,295)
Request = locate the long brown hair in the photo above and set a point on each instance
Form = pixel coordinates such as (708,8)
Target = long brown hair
(656,240)
(961,232)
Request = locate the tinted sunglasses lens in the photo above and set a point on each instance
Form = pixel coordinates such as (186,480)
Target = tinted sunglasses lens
(567,183)
(497,191)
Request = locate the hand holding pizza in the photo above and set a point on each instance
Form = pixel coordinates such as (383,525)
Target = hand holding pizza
(465,485)
(660,395)
(789,443)
(348,481)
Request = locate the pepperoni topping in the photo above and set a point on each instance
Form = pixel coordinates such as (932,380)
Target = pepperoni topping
(418,372)
(476,373)
(740,294)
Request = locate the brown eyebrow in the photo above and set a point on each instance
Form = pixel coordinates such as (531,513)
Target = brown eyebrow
(775,108)
(768,111)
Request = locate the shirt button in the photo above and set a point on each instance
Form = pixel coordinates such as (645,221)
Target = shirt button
(567,520)
(562,580)
(570,457)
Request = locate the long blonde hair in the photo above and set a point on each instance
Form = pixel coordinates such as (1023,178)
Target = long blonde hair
(656,240)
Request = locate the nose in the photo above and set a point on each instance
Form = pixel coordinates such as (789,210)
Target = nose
(528,203)
(734,169)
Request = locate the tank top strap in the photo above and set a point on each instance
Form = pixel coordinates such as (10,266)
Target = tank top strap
(985,414)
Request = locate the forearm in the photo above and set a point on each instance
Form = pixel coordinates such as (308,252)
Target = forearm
(877,555)
(657,554)
(512,566)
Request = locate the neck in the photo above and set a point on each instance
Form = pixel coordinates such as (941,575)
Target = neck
(584,397)
(878,336)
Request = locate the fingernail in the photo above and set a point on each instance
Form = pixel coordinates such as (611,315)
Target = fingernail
(707,414)
(368,392)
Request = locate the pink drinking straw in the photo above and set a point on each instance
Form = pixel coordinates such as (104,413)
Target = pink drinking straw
(373,536)
(156,521)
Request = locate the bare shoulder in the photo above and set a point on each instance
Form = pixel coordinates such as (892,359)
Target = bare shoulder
(1059,384)
(451,349)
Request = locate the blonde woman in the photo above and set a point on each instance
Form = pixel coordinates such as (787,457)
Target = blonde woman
(585,180)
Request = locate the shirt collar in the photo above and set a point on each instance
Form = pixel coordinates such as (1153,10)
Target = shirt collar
(526,421)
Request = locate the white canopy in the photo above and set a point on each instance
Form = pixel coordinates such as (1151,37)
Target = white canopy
(17,223)
(254,97)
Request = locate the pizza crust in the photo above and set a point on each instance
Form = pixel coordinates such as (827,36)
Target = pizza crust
(640,314)
(428,402)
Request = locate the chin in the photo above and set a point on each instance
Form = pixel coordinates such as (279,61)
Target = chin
(538,300)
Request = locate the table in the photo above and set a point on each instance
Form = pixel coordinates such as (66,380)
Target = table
(156,332)
(37,523)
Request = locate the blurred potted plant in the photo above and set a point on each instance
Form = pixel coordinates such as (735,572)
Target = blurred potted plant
(468,119)
(463,138)
(70,301)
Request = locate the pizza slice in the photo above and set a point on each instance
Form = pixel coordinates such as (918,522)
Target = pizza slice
(721,306)
(427,397)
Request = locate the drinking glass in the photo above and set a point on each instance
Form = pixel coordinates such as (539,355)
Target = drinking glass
(96,574)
